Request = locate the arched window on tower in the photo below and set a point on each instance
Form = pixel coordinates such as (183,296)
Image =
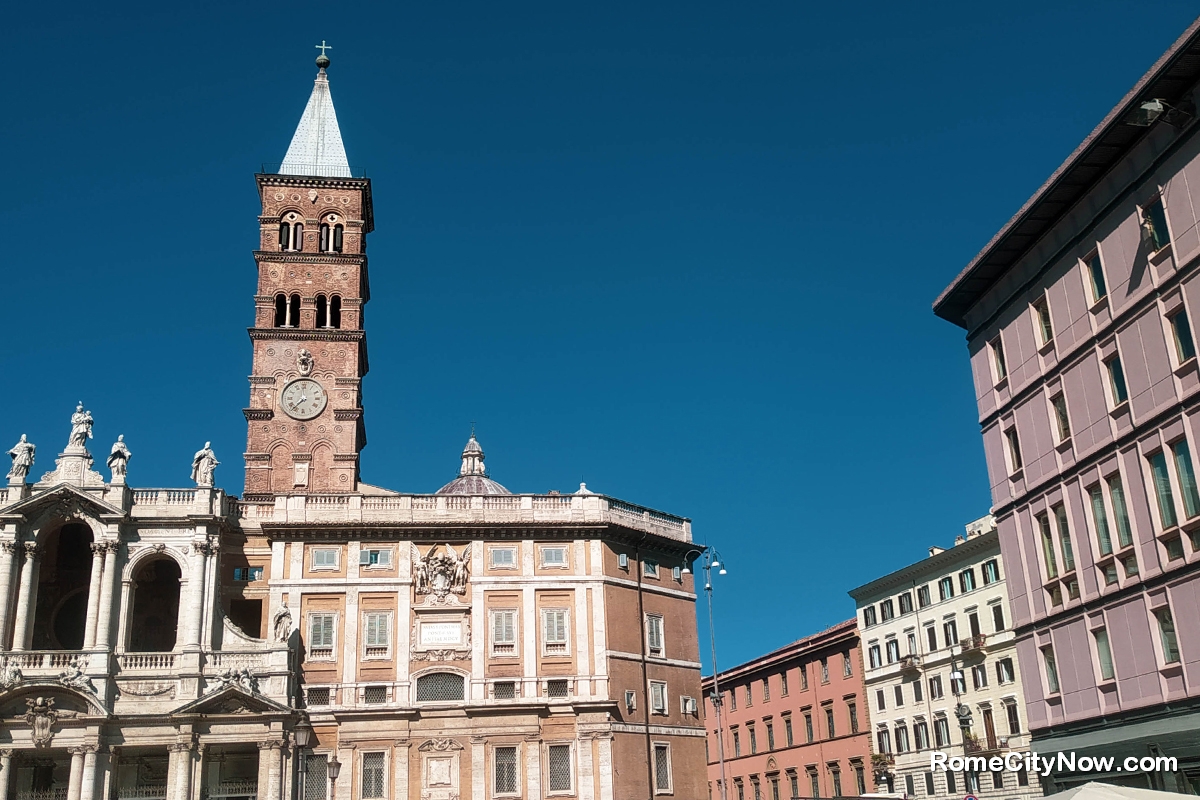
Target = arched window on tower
(291,232)
(337,238)
(331,234)
(335,312)
(285,235)
(322,311)
(294,312)
(298,236)
(324,231)
(281,309)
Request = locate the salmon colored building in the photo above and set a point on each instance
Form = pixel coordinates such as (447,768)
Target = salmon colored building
(794,722)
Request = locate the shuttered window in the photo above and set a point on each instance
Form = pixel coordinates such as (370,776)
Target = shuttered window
(378,639)
(654,634)
(320,635)
(504,632)
(554,631)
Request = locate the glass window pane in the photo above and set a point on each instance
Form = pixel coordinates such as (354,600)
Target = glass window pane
(1162,488)
(1100,517)
(1117,493)
(1048,546)
(1116,378)
(1096,272)
(1104,654)
(1185,347)
(1187,478)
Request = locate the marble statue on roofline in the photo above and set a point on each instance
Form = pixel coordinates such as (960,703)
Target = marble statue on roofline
(81,427)
(22,453)
(204,463)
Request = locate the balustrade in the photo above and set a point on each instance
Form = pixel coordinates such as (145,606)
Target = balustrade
(147,661)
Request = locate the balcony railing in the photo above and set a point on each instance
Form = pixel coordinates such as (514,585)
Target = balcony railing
(57,793)
(133,662)
(149,792)
(234,789)
(974,643)
(47,659)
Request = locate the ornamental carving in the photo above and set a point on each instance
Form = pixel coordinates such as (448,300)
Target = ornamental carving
(41,717)
(74,678)
(439,746)
(243,678)
(441,574)
(11,675)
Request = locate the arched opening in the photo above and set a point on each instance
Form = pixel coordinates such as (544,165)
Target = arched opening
(298,236)
(281,468)
(154,622)
(321,471)
(281,310)
(439,687)
(294,311)
(324,237)
(335,312)
(337,238)
(285,236)
(322,311)
(64,573)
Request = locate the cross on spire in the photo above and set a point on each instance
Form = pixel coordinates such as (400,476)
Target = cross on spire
(323,47)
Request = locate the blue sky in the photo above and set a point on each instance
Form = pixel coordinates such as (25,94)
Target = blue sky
(685,251)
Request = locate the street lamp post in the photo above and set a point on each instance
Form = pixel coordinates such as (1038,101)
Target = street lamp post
(335,767)
(302,733)
(712,559)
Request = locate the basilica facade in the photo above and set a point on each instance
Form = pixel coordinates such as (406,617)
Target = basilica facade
(320,637)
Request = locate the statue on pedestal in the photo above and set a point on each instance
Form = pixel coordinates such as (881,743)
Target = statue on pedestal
(118,459)
(283,623)
(204,463)
(23,453)
(81,427)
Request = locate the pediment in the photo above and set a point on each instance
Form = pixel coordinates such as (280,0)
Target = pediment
(68,703)
(232,699)
(63,500)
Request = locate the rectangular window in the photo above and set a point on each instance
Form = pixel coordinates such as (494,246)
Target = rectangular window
(1185,346)
(837,782)
(1064,538)
(931,635)
(950,632)
(247,574)
(898,692)
(650,569)
(946,588)
(378,640)
(883,738)
(917,691)
(911,785)
(320,635)
(941,733)
(1116,380)
(997,780)
(559,758)
(375,558)
(662,768)
(912,643)
(920,734)
(886,610)
(893,651)
(814,784)
(1043,521)
(930,789)
(1014,718)
(824,670)
(1041,313)
(504,632)
(1014,450)
(1162,488)
(923,596)
(658,701)
(316,784)
(324,559)
(794,782)
(847,667)
(504,558)
(966,580)
(991,572)
(783,688)
(753,738)
(766,689)
(830,729)
(1187,478)
(1103,654)
(935,687)
(868,616)
(998,617)
(507,690)
(860,778)
(1051,669)
(554,631)
(1062,421)
(556,557)
(1166,630)
(372,775)
(749,695)
(979,676)
(787,731)
(1096,277)
(873,657)
(1154,224)
(808,728)
(733,699)
(951,789)
(504,768)
(737,745)
(880,700)
(1100,518)
(998,364)
(770,735)
(906,605)
(1116,493)
(804,677)
(852,711)
(654,635)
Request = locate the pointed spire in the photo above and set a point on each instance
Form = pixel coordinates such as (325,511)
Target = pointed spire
(316,147)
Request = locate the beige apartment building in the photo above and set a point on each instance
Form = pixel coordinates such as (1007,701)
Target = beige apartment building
(941,672)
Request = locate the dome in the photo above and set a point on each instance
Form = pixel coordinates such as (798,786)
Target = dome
(472,477)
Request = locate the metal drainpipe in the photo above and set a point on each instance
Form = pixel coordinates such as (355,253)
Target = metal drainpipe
(645,674)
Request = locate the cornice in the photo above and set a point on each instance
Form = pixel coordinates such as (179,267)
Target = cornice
(291,257)
(304,335)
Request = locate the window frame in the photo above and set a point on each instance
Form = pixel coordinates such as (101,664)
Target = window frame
(1118,387)
(388,617)
(651,619)
(570,745)
(492,564)
(1061,416)
(383,770)
(670,787)
(1043,322)
(999,365)
(377,564)
(1185,347)
(516,791)
(566,625)
(1093,264)
(309,646)
(546,548)
(665,708)
(337,559)
(493,614)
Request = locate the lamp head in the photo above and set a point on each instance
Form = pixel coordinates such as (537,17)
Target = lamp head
(302,733)
(335,767)
(722,571)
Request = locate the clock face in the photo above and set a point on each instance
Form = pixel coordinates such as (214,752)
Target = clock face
(303,399)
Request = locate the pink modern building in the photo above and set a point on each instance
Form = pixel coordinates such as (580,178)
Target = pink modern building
(1080,320)
(793,722)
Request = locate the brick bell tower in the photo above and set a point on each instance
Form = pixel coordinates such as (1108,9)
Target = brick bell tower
(305,417)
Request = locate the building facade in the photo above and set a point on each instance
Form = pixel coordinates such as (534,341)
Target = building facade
(321,637)
(794,722)
(1079,328)
(941,671)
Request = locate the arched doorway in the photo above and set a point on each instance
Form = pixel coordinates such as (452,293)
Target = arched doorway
(154,622)
(62,593)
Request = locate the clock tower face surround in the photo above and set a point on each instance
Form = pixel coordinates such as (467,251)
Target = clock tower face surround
(305,420)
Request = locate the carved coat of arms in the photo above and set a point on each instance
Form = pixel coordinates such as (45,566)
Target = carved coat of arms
(41,717)
(441,574)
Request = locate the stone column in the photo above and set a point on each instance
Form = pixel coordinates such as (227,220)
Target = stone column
(7,549)
(5,772)
(75,783)
(399,770)
(533,766)
(179,771)
(194,608)
(93,603)
(270,770)
(478,768)
(87,791)
(107,589)
(23,630)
